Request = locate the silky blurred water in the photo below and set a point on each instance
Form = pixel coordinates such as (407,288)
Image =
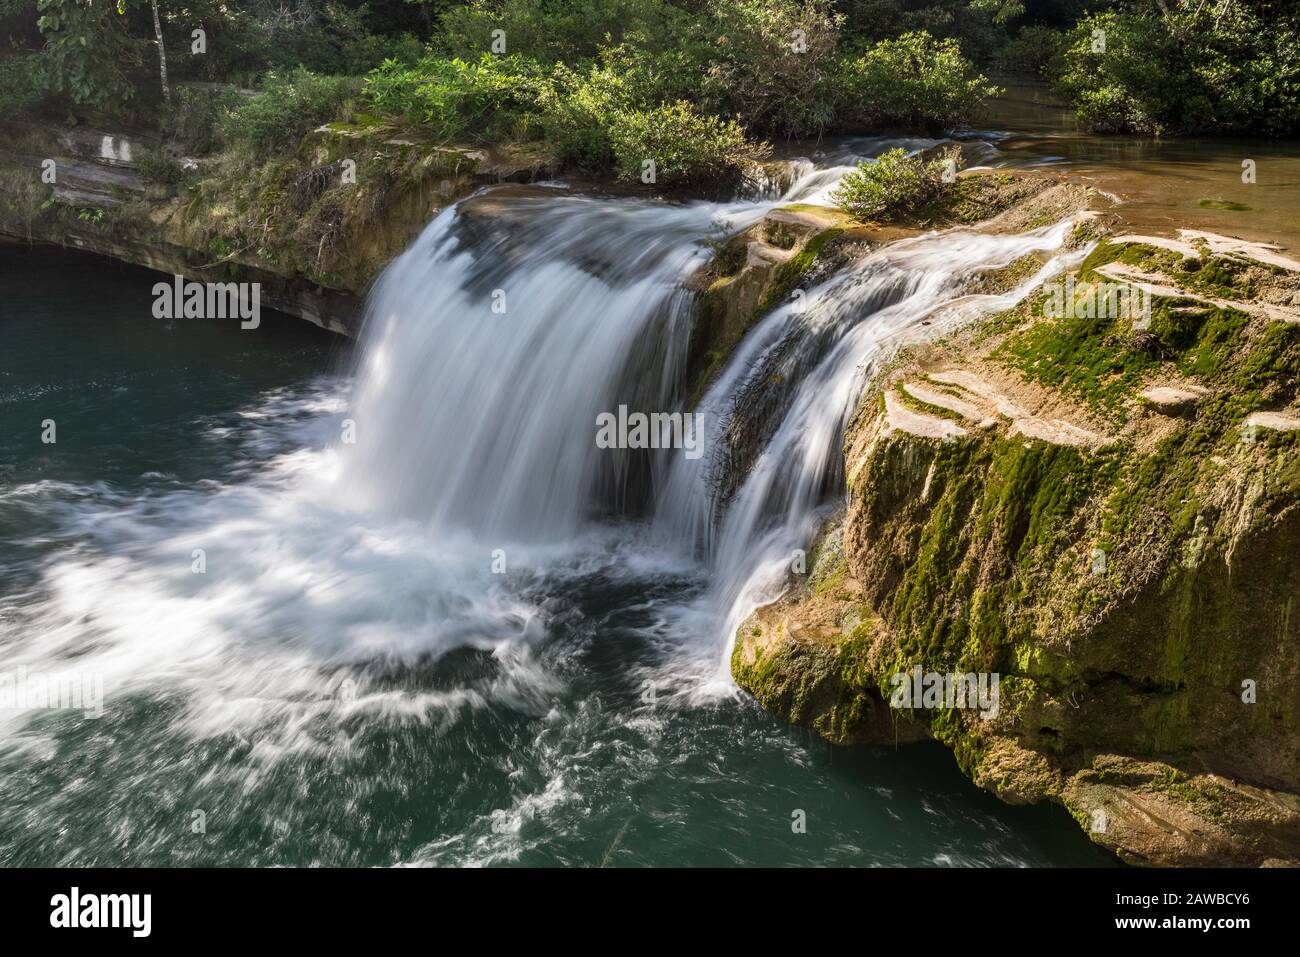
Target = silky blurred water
(317,719)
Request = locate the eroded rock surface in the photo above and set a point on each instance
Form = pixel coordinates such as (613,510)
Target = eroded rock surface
(1105,511)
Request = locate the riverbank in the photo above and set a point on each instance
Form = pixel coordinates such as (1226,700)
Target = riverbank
(350,684)
(317,225)
(314,228)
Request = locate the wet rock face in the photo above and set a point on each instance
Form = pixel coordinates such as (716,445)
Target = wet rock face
(1120,545)
(810,656)
(1149,658)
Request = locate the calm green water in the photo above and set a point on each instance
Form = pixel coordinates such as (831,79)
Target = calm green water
(282,708)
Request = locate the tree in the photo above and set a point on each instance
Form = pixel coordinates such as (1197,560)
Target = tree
(89,55)
(162,52)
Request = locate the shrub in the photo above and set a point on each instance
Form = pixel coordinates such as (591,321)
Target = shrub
(915,82)
(289,105)
(328,37)
(1113,90)
(1227,68)
(649,76)
(687,147)
(339,41)
(893,184)
(490,98)
(578,112)
(90,57)
(1034,49)
(155,167)
(772,62)
(20,87)
(198,116)
(970,22)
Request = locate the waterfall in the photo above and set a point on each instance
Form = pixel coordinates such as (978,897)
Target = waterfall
(493,343)
(450,494)
(821,354)
(490,346)
(410,611)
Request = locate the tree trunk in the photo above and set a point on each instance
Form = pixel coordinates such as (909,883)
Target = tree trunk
(162,54)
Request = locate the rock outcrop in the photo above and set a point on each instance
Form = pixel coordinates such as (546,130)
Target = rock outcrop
(314,228)
(1104,511)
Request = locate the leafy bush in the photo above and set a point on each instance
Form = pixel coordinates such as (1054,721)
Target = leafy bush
(607,119)
(20,86)
(893,184)
(338,41)
(648,76)
(579,111)
(1111,94)
(249,38)
(289,105)
(1227,68)
(772,62)
(1035,49)
(492,97)
(89,56)
(687,147)
(156,167)
(197,118)
(974,24)
(915,82)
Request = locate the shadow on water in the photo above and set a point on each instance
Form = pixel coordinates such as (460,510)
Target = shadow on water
(82,347)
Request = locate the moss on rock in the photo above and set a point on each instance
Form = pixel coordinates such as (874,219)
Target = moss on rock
(1137,598)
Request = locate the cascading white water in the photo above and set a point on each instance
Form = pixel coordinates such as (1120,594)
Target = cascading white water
(482,422)
(352,678)
(826,346)
(492,344)
(494,341)
(475,430)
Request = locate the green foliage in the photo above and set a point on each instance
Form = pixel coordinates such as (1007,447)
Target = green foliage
(964,21)
(788,68)
(559,30)
(89,55)
(489,98)
(338,41)
(687,147)
(288,106)
(1000,10)
(893,184)
(20,86)
(1226,68)
(915,82)
(772,62)
(579,111)
(1035,49)
(157,168)
(197,118)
